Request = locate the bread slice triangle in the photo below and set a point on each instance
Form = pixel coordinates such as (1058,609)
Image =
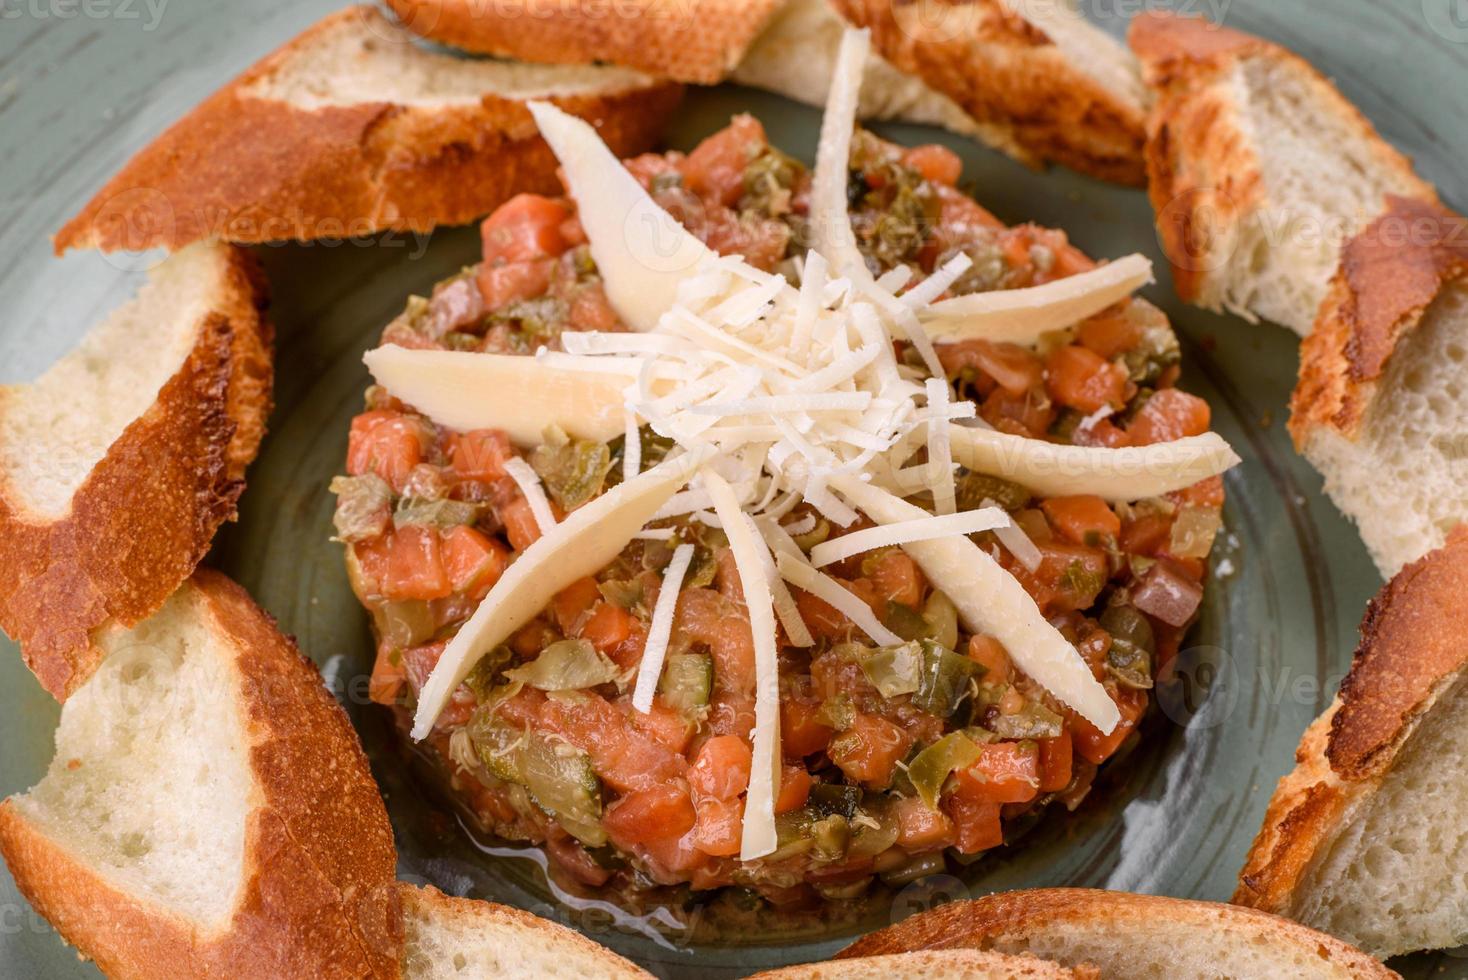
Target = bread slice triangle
(1366,838)
(1381,408)
(947,964)
(209,811)
(1258,168)
(121,461)
(352,128)
(1125,935)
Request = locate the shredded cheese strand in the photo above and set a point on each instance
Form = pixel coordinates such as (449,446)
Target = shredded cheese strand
(655,651)
(905,532)
(828,590)
(529,483)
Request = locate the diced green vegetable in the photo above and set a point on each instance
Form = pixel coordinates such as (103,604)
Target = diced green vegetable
(921,866)
(1129,659)
(655,449)
(1034,720)
(944,680)
(837,712)
(894,670)
(942,618)
(439,514)
(571,469)
(363,506)
(1193,531)
(767,183)
(930,769)
(831,835)
(407,623)
(622,593)
(481,678)
(566,665)
(975,488)
(687,681)
(560,778)
(868,840)
(834,798)
(905,621)
(814,536)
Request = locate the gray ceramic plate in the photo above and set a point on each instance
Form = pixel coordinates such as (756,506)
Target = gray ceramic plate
(83,83)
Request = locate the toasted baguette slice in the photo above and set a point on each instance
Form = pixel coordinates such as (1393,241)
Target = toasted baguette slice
(120,462)
(1126,935)
(1366,838)
(1381,407)
(947,964)
(463,939)
(1258,169)
(209,811)
(352,128)
(685,40)
(1050,85)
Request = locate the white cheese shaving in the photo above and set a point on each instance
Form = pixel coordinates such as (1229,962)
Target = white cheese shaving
(801,575)
(758,837)
(631,447)
(940,453)
(830,222)
(529,483)
(1018,543)
(1121,474)
(1023,316)
(905,532)
(655,650)
(991,601)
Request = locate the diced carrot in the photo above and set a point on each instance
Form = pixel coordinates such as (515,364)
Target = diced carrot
(1084,380)
(1167,416)
(868,752)
(415,565)
(719,826)
(570,603)
(608,626)
(897,578)
(472,560)
(1091,744)
(1109,334)
(991,655)
(936,163)
(1084,519)
(658,812)
(976,823)
(1055,762)
(1146,534)
(480,454)
(920,827)
(387,678)
(715,169)
(1006,772)
(386,443)
(1204,493)
(527,226)
(1074,573)
(521,527)
(795,784)
(501,285)
(801,733)
(722,768)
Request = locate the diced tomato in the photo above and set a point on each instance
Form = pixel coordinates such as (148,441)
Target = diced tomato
(1055,762)
(1095,747)
(419,661)
(387,678)
(936,163)
(1084,519)
(1110,334)
(1082,379)
(801,733)
(1070,576)
(715,169)
(608,627)
(976,823)
(719,826)
(501,285)
(415,565)
(795,784)
(472,560)
(386,443)
(1006,772)
(667,725)
(991,655)
(625,758)
(591,310)
(572,233)
(655,813)
(1167,416)
(897,578)
(1014,368)
(823,620)
(568,605)
(1102,432)
(1146,534)
(1204,493)
(525,227)
(722,768)
(920,827)
(480,454)
(762,241)
(521,527)
(868,752)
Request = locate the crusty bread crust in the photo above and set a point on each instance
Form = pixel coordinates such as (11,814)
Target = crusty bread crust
(1411,651)
(319,899)
(149,509)
(696,41)
(971,964)
(1006,72)
(987,922)
(249,169)
(1203,171)
(1388,276)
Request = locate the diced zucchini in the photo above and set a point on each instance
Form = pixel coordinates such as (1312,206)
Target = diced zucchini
(559,778)
(687,681)
(930,769)
(566,665)
(944,680)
